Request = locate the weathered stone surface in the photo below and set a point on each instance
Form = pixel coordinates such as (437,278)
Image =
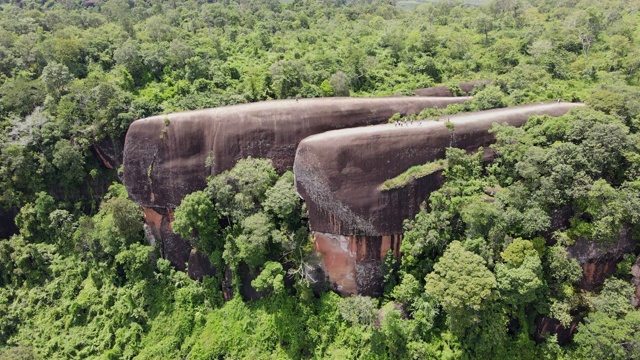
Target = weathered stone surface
(172,247)
(600,260)
(339,173)
(443,90)
(164,156)
(352,263)
(109,152)
(199,265)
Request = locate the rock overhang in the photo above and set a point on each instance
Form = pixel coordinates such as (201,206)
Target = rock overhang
(339,173)
(166,156)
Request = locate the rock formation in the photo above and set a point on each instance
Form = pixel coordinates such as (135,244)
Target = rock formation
(600,260)
(167,157)
(108,152)
(340,173)
(443,90)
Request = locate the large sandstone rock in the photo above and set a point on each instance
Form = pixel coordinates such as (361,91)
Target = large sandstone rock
(339,174)
(166,157)
(443,90)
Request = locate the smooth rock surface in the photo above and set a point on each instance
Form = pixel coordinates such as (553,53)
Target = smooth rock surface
(165,155)
(339,174)
(443,90)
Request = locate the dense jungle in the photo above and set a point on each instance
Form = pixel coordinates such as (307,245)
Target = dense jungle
(488,266)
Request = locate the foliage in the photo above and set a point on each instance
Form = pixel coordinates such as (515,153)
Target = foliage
(486,255)
(611,337)
(196,219)
(461,283)
(240,191)
(271,278)
(414,172)
(358,310)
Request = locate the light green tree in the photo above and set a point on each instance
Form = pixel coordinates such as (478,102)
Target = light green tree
(196,219)
(462,284)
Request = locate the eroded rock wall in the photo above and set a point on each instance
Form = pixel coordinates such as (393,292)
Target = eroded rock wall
(600,260)
(340,173)
(167,157)
(442,90)
(352,263)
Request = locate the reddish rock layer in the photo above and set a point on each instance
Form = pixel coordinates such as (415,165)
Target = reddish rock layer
(352,263)
(172,247)
(165,156)
(600,260)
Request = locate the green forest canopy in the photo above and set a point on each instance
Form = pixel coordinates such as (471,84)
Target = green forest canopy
(479,268)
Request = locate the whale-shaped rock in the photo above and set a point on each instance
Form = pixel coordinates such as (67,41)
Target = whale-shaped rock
(169,156)
(340,175)
(165,156)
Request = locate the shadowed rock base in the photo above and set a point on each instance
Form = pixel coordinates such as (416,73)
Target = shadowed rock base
(546,325)
(199,265)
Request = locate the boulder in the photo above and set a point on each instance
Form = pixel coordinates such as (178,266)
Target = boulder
(443,90)
(167,157)
(199,265)
(340,175)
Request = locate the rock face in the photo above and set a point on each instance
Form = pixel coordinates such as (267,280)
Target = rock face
(165,156)
(600,260)
(353,262)
(546,325)
(169,156)
(339,174)
(442,90)
(108,152)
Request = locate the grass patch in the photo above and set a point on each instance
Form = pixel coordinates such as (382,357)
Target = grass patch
(414,172)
